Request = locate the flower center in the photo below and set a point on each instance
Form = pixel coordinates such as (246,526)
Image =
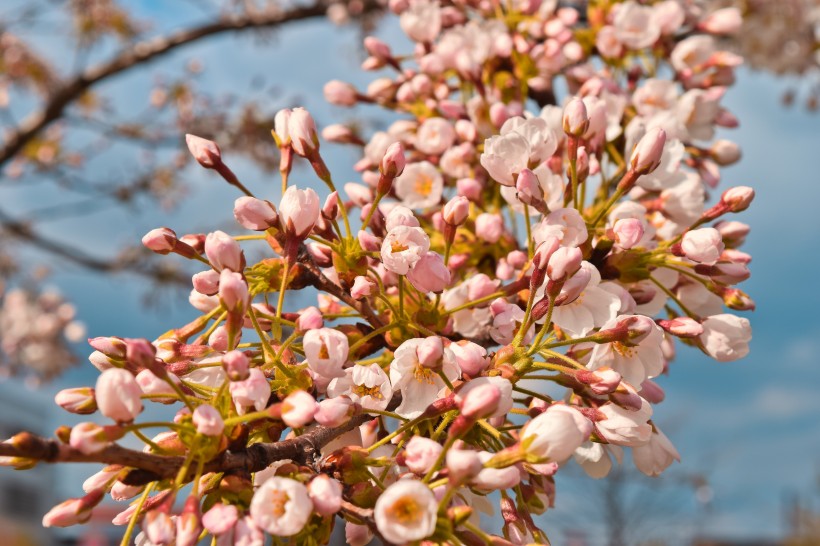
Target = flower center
(362,391)
(424,185)
(423,374)
(278,501)
(396,246)
(324,354)
(623,350)
(406,511)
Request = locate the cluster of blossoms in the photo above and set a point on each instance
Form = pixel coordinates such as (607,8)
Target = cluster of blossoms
(37,328)
(499,295)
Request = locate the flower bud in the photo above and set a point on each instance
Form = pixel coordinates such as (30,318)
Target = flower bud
(702,245)
(206,282)
(309,319)
(298,211)
(421,454)
(462,464)
(224,252)
(73,511)
(335,412)
(281,132)
(235,364)
(340,93)
(233,291)
(628,232)
(302,131)
(392,164)
(118,395)
(80,400)
(725,152)
(470,357)
(683,327)
(255,214)
(528,188)
(737,199)
(90,438)
(604,380)
(564,262)
(298,409)
(481,401)
(160,240)
(576,119)
(206,152)
(456,211)
(189,523)
(430,352)
(362,287)
(208,421)
(429,274)
(647,154)
(326,495)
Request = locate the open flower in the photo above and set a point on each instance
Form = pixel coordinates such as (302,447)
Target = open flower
(419,385)
(281,506)
(326,351)
(403,247)
(406,512)
(419,186)
(367,385)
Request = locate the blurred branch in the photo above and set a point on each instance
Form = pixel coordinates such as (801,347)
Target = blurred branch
(143,52)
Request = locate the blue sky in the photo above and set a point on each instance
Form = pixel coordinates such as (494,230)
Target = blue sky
(750,426)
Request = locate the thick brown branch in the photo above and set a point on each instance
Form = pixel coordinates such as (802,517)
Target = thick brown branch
(151,467)
(143,52)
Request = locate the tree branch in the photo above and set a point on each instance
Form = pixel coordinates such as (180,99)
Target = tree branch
(143,52)
(151,467)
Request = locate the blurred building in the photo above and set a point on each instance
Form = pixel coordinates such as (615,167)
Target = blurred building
(25,496)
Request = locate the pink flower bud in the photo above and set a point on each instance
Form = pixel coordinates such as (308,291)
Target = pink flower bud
(73,511)
(498,114)
(572,288)
(326,495)
(362,287)
(160,240)
(469,188)
(481,286)
(647,154)
(298,409)
(738,199)
(702,245)
(80,400)
(652,392)
(355,534)
(393,162)
(235,364)
(255,214)
(564,262)
(233,291)
(280,127)
(430,352)
(377,48)
(722,21)
(628,232)
(220,518)
(334,412)
(470,357)
(206,152)
(462,464)
(89,438)
(604,380)
(489,227)
(456,211)
(302,131)
(429,274)
(341,134)
(481,401)
(298,211)
(528,189)
(189,524)
(340,93)
(206,282)
(118,395)
(140,353)
(725,152)
(208,421)
(369,242)
(576,119)
(112,347)
(421,454)
(223,252)
(309,319)
(684,327)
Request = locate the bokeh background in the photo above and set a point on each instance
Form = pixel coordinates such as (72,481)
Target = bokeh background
(748,432)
